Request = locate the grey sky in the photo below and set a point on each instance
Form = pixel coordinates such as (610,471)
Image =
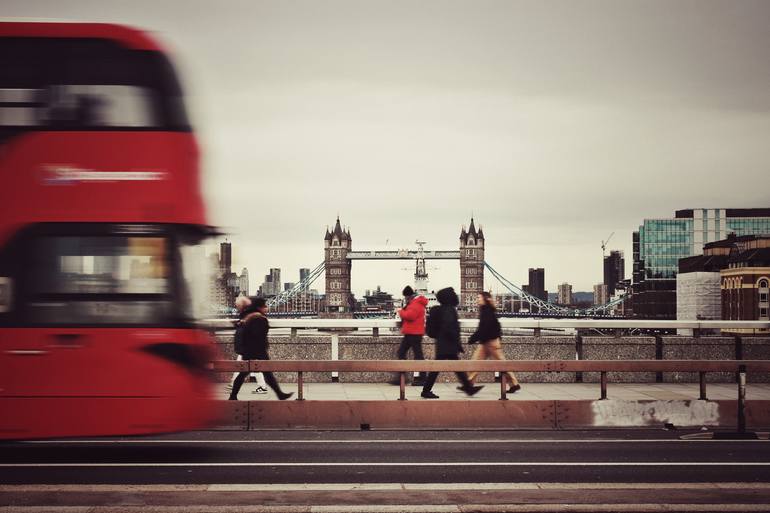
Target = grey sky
(555,123)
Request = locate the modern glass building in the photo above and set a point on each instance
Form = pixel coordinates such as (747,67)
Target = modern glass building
(660,243)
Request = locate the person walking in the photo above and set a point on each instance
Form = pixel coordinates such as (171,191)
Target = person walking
(255,328)
(446,327)
(413,328)
(241,304)
(487,335)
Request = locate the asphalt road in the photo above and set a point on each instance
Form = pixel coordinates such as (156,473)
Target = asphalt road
(386,467)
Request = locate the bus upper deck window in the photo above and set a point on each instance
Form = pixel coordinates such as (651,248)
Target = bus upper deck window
(99,106)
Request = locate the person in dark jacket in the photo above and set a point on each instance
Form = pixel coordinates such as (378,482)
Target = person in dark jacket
(242,304)
(448,341)
(487,335)
(412,327)
(255,328)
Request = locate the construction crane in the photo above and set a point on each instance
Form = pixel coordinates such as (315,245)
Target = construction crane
(604,243)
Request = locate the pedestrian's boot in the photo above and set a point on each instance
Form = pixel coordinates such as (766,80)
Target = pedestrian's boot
(427,394)
(282,396)
(472,390)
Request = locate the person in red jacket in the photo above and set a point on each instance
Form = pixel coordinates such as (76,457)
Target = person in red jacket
(413,327)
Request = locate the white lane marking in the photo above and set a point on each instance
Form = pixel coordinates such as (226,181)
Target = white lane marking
(389,508)
(410,464)
(389,441)
(545,508)
(341,487)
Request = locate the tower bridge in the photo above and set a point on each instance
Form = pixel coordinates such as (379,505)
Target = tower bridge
(339,256)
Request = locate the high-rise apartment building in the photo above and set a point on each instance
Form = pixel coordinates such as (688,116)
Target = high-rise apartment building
(659,244)
(601,294)
(564,296)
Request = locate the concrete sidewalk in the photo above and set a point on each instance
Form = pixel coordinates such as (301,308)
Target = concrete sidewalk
(528,392)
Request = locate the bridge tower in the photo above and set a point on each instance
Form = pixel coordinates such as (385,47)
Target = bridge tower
(337,244)
(471,267)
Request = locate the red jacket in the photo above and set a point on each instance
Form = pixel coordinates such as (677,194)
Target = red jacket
(414,316)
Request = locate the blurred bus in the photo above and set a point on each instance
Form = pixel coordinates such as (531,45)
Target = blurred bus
(101,220)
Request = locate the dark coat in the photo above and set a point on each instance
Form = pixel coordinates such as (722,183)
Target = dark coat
(489,326)
(448,340)
(255,328)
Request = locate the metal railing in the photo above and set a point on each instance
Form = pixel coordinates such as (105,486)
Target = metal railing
(702,367)
(533,324)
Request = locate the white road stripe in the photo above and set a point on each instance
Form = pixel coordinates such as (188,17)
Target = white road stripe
(409,464)
(390,441)
(352,487)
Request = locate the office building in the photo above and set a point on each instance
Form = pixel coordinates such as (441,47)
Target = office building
(564,296)
(272,284)
(225,257)
(536,285)
(614,271)
(243,282)
(303,273)
(659,244)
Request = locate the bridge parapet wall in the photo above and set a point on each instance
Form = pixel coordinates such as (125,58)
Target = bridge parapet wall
(523,347)
(619,348)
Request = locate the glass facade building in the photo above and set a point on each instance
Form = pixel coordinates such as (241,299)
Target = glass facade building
(660,243)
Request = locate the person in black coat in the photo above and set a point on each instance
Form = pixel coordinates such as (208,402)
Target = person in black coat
(255,328)
(447,341)
(487,335)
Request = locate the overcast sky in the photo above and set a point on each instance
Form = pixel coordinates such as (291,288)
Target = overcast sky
(554,123)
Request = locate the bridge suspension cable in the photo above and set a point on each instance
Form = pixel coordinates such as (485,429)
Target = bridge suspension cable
(548,307)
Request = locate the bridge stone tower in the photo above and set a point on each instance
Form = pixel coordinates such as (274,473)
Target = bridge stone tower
(471,267)
(337,244)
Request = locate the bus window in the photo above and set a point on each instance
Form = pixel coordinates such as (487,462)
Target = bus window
(101,280)
(86,84)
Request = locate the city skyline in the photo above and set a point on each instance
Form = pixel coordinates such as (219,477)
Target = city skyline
(562,124)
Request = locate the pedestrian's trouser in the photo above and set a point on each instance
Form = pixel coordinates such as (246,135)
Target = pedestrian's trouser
(413,342)
(431,380)
(257,375)
(491,349)
(269,379)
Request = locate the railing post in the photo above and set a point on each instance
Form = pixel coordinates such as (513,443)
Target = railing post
(300,386)
(702,376)
(536,332)
(741,399)
(604,385)
(335,355)
(578,356)
(293,334)
(402,386)
(375,332)
(503,388)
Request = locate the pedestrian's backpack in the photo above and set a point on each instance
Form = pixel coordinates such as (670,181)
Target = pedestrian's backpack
(238,341)
(433,322)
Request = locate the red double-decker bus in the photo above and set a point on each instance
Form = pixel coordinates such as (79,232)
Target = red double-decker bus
(101,220)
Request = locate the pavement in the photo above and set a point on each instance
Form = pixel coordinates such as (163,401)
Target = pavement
(389,471)
(528,392)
